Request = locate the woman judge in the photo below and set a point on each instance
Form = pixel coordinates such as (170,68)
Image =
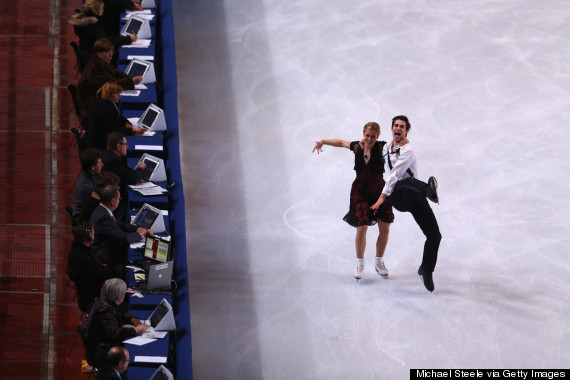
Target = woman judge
(106,118)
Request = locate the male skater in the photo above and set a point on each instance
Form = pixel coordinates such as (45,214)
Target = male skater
(408,194)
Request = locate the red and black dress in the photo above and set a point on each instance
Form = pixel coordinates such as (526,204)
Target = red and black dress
(367,187)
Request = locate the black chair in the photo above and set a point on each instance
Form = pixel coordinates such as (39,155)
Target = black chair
(69,210)
(74,92)
(80,62)
(89,355)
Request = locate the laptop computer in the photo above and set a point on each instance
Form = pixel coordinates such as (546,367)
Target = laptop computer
(159,276)
(162,373)
(146,216)
(151,166)
(132,26)
(155,250)
(137,68)
(149,117)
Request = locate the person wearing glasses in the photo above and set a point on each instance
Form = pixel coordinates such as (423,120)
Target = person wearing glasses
(369,167)
(117,362)
(96,73)
(408,194)
(115,161)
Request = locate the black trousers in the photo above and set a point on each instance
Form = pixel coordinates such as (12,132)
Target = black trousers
(409,195)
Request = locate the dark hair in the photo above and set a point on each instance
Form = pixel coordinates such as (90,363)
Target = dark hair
(103,45)
(113,139)
(108,193)
(403,118)
(82,231)
(89,158)
(104,179)
(116,355)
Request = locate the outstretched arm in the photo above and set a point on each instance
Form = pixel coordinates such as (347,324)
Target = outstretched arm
(334,142)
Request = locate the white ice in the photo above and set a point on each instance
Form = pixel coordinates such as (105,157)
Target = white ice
(485,85)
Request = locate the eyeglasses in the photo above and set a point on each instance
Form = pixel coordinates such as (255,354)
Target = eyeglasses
(124,143)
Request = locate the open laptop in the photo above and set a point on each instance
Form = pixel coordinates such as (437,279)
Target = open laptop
(137,68)
(162,373)
(158,276)
(149,117)
(146,216)
(132,26)
(151,166)
(155,250)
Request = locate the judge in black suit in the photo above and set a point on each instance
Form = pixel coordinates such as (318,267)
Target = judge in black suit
(97,72)
(84,267)
(115,161)
(113,236)
(116,364)
(106,118)
(88,28)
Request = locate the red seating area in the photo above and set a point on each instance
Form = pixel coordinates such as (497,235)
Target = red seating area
(38,167)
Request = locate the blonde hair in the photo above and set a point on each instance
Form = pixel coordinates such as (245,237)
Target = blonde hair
(91,5)
(108,89)
(373,126)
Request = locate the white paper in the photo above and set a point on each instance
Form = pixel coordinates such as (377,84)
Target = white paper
(143,185)
(149,147)
(141,42)
(151,191)
(155,334)
(131,93)
(143,57)
(150,359)
(139,341)
(140,86)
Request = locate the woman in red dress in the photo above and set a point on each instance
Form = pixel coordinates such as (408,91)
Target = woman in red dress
(366,188)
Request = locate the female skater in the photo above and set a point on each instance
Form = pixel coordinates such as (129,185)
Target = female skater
(366,188)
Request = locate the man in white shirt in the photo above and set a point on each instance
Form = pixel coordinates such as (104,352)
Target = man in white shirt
(408,194)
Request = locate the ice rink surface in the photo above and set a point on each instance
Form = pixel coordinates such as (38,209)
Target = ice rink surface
(485,85)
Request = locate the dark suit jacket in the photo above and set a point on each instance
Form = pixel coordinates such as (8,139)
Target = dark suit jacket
(108,373)
(118,165)
(104,119)
(88,28)
(95,74)
(87,272)
(112,239)
(82,191)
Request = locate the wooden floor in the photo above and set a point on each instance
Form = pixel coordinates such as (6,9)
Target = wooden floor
(38,166)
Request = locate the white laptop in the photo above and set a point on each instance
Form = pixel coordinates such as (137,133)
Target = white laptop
(132,26)
(137,67)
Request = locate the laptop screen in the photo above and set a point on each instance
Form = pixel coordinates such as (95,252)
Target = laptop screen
(151,166)
(145,217)
(133,26)
(156,249)
(159,312)
(136,69)
(149,117)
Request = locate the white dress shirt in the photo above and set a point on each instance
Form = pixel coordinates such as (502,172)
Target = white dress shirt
(402,159)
